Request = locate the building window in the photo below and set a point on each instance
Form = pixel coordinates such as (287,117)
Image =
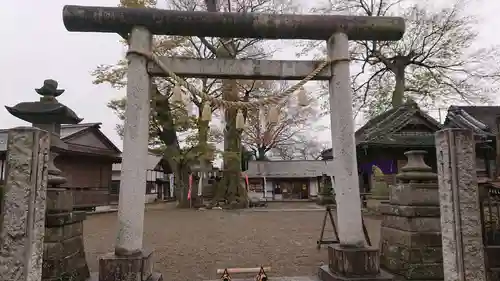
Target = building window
(115,187)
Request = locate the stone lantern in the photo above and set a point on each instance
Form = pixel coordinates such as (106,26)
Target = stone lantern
(64,255)
(48,114)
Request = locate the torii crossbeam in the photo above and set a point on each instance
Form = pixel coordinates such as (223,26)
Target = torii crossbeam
(231,25)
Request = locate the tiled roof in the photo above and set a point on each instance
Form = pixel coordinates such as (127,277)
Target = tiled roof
(288,169)
(70,130)
(382,128)
(480,119)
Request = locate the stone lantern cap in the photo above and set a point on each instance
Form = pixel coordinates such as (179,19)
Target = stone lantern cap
(46,111)
(416,169)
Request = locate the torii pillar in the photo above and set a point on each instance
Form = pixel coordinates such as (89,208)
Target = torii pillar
(351,258)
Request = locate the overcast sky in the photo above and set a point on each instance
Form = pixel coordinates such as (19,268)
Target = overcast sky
(36,46)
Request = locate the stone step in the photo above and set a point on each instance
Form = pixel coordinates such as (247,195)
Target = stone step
(94,276)
(271,278)
(325,274)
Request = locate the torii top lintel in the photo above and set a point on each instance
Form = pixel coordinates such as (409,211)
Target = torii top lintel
(231,25)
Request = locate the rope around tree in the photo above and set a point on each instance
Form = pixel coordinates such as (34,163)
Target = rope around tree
(273,100)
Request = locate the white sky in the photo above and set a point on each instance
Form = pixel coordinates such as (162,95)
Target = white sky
(35,46)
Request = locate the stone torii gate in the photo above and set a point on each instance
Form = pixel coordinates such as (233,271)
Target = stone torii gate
(141,24)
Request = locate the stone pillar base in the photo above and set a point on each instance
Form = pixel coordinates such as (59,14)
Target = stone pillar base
(346,263)
(127,268)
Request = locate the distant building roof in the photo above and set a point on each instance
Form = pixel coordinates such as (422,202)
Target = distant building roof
(287,169)
(152,162)
(480,119)
(386,129)
(69,132)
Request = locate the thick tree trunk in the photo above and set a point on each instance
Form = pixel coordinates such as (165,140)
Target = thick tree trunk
(399,89)
(172,152)
(261,153)
(231,188)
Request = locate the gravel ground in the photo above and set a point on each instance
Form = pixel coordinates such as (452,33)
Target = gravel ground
(191,245)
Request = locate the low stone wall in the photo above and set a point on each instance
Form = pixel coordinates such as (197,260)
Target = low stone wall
(64,253)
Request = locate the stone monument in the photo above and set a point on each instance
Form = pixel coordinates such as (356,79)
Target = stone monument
(64,254)
(23,214)
(411,232)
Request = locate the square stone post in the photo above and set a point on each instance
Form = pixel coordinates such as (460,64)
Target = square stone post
(351,258)
(463,253)
(411,232)
(22,228)
(130,262)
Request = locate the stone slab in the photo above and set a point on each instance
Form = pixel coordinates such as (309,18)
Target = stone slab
(75,266)
(414,194)
(325,274)
(126,268)
(415,224)
(56,234)
(353,262)
(64,248)
(94,276)
(59,200)
(395,257)
(60,219)
(411,239)
(410,211)
(412,271)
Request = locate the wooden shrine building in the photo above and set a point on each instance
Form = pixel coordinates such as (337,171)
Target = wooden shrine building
(86,163)
(384,139)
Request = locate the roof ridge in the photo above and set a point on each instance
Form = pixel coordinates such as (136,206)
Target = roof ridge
(90,124)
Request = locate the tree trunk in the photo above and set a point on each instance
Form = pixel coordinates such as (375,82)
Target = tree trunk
(231,188)
(399,89)
(203,148)
(172,152)
(261,153)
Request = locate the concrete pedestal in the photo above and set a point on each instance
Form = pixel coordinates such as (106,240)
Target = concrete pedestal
(139,267)
(349,263)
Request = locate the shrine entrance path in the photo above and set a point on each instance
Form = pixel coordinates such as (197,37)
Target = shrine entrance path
(191,245)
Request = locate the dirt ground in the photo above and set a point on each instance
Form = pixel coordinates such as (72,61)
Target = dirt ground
(191,245)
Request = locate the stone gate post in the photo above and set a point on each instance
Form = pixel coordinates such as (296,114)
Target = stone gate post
(351,258)
(22,226)
(463,253)
(130,262)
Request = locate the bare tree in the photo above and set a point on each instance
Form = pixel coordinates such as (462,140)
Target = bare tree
(435,62)
(171,128)
(262,137)
(305,148)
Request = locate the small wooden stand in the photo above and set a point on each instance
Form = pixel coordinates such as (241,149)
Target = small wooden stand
(323,241)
